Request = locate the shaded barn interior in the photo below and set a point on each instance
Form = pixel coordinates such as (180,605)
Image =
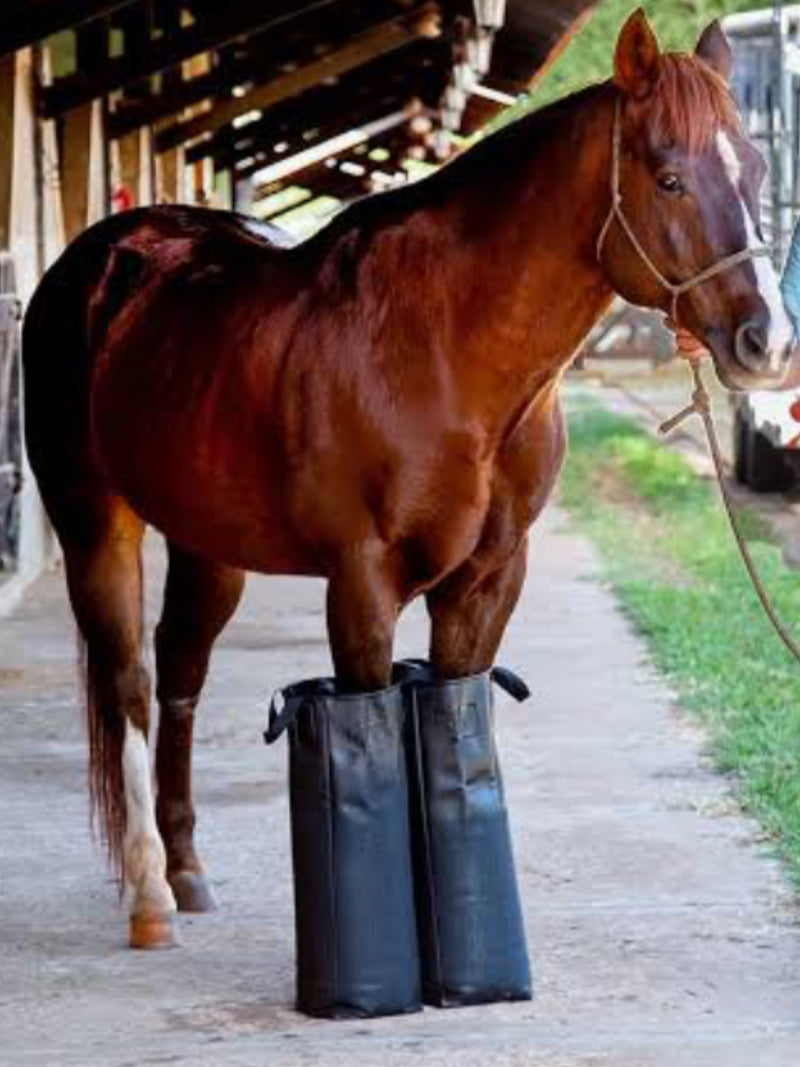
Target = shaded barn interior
(281,108)
(231,103)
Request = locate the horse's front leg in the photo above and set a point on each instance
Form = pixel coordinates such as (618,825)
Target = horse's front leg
(470,611)
(354,894)
(466,878)
(362,606)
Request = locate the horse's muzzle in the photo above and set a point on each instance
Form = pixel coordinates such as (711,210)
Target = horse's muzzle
(756,354)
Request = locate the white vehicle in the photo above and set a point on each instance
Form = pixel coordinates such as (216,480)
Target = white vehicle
(766,80)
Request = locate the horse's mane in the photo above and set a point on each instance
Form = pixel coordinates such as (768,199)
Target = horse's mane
(690,102)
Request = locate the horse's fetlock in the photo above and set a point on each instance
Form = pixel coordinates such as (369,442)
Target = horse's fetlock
(146,873)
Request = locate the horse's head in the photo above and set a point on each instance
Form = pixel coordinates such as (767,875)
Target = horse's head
(689,186)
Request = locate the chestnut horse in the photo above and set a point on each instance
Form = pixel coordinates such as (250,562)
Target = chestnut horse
(377,405)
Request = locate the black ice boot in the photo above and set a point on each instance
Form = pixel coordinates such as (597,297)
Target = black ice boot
(471,933)
(354,895)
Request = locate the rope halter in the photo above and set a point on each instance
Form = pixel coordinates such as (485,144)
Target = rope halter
(616,212)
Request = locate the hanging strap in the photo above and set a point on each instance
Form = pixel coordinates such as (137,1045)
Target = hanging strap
(510,683)
(503,678)
(280,720)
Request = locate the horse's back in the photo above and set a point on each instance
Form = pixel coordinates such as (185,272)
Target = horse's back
(79,298)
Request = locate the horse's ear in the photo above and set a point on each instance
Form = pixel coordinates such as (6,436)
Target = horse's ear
(715,51)
(636,56)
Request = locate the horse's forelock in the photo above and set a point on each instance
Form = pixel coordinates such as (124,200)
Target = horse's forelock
(691,103)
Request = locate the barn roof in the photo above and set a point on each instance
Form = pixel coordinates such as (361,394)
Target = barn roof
(250,84)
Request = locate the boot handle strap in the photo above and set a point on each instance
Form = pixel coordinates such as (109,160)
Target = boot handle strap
(503,678)
(281,719)
(510,683)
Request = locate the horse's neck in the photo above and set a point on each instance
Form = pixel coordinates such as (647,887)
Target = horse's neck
(528,288)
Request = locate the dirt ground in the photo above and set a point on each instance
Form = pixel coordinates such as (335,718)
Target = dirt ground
(662,933)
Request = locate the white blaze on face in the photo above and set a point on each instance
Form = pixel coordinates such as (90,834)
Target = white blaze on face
(781,331)
(145,858)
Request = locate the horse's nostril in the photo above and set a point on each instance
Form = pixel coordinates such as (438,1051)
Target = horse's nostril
(752,343)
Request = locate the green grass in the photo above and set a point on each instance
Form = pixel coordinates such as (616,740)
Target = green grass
(670,557)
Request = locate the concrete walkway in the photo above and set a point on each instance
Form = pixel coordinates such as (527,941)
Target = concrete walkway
(662,934)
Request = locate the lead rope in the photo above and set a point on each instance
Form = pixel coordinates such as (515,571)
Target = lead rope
(701,405)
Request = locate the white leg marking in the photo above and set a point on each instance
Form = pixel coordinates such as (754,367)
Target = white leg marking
(145,858)
(781,331)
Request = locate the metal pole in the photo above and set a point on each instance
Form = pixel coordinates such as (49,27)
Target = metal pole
(777,128)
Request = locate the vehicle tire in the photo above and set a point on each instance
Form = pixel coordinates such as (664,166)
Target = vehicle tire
(741,446)
(768,470)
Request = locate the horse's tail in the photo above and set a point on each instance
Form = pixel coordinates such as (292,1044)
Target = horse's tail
(106,732)
(58,352)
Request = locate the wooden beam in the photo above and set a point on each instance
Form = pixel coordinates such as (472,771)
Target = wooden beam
(92,43)
(129,115)
(255,69)
(137,27)
(328,111)
(421,22)
(24,23)
(348,120)
(209,32)
(266,53)
(416,72)
(294,169)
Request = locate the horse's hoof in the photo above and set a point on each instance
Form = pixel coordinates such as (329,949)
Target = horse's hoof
(192,891)
(153,931)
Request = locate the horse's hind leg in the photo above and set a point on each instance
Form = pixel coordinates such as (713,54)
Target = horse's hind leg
(199,599)
(101,539)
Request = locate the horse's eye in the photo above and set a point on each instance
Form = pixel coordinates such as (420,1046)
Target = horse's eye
(670,183)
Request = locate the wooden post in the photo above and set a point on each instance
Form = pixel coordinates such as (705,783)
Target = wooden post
(83,163)
(7,73)
(75,161)
(169,176)
(32,203)
(130,164)
(147,169)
